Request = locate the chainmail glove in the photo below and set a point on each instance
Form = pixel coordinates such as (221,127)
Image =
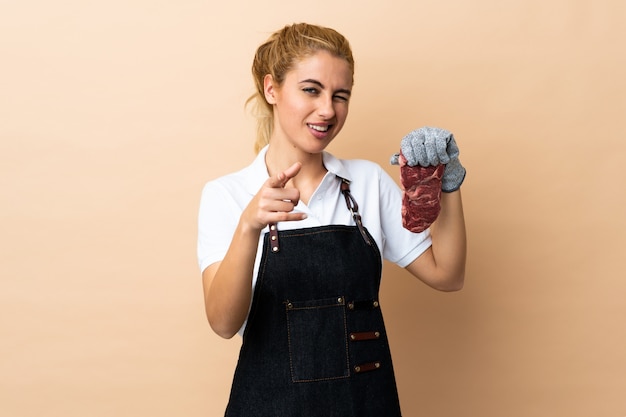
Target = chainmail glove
(431,146)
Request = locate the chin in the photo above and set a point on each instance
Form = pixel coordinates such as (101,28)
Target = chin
(316,148)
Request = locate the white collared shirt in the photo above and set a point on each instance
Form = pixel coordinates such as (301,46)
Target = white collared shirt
(378,197)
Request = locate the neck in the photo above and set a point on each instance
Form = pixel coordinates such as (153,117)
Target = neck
(278,159)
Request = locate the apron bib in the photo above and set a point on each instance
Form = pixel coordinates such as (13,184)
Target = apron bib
(315,343)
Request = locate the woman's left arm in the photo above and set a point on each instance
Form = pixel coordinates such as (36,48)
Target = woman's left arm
(442,266)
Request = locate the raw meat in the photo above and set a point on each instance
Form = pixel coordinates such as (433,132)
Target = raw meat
(421,199)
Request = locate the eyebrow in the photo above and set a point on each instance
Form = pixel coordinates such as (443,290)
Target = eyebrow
(320,85)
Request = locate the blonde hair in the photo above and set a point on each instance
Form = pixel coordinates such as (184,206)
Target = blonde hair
(278,55)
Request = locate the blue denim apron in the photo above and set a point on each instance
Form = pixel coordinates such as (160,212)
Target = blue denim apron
(315,343)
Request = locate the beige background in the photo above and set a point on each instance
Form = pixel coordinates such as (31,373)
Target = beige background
(114,113)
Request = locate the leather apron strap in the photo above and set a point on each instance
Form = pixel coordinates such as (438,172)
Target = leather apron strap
(350,203)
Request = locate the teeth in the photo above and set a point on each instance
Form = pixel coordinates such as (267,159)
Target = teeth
(319,128)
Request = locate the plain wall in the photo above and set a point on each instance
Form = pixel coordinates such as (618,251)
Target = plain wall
(113,114)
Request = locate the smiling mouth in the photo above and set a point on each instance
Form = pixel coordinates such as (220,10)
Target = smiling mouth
(320,128)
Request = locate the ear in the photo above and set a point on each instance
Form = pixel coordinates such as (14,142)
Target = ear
(269,89)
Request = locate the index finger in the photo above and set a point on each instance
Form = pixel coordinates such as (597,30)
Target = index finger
(283,178)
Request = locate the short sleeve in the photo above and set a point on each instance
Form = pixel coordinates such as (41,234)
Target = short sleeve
(217,220)
(401,246)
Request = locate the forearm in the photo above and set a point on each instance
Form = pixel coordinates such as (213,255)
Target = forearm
(443,265)
(449,241)
(228,284)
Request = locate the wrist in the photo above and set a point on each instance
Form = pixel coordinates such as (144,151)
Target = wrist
(453,176)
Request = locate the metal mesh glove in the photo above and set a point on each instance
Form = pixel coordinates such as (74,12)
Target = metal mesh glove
(431,146)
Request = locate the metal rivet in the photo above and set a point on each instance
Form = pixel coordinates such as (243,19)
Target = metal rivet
(375,303)
(272,227)
(273,237)
(289,305)
(340,300)
(377,364)
(357,369)
(377,334)
(352,337)
(275,248)
(351,306)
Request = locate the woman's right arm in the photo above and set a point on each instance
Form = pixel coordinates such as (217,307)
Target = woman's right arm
(228,284)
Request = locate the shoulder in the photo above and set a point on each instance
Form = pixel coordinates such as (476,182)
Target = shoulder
(239,184)
(370,184)
(368,174)
(362,166)
(354,170)
(234,182)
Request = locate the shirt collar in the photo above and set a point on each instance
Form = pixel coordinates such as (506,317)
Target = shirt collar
(335,166)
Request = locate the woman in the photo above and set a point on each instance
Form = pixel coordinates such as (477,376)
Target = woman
(291,247)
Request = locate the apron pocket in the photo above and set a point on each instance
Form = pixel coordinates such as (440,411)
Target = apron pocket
(318,342)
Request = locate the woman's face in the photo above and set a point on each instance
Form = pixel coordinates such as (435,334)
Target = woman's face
(311,105)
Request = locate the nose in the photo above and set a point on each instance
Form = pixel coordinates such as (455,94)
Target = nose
(326,108)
